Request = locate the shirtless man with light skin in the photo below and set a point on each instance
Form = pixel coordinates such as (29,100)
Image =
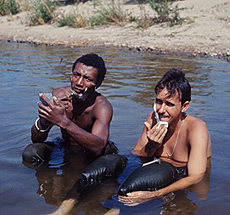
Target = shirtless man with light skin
(186,141)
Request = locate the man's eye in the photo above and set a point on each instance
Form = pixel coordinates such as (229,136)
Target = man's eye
(158,101)
(88,79)
(169,104)
(76,74)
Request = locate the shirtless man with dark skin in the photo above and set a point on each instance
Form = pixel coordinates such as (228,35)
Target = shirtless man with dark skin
(186,141)
(83,114)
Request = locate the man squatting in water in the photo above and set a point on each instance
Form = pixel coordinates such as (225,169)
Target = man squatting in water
(186,141)
(83,114)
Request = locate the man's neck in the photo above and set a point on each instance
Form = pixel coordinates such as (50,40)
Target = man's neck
(177,123)
(83,104)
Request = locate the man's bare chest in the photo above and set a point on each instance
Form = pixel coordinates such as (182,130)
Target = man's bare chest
(175,148)
(82,118)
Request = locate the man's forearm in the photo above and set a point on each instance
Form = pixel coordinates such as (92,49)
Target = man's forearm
(39,132)
(86,139)
(180,184)
(147,150)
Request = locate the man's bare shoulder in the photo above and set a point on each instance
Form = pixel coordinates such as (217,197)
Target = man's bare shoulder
(101,101)
(194,122)
(62,91)
(198,133)
(196,128)
(103,108)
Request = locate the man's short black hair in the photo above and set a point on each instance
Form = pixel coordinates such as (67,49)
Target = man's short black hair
(174,80)
(95,61)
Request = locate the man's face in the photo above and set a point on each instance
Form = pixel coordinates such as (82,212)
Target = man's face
(168,107)
(83,80)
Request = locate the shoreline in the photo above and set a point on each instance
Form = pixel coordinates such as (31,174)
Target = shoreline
(185,52)
(205,33)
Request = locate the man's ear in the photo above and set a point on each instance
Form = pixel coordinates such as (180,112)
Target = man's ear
(185,106)
(98,84)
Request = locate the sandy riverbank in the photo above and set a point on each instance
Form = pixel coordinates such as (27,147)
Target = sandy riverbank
(206,31)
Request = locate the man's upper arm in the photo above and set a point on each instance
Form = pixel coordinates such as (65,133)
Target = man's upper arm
(103,113)
(198,139)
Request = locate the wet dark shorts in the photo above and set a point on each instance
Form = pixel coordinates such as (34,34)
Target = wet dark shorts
(37,153)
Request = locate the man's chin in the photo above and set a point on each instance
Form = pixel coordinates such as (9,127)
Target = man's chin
(81,96)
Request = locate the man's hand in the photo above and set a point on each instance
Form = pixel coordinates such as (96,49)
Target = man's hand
(64,101)
(138,197)
(55,112)
(156,134)
(151,138)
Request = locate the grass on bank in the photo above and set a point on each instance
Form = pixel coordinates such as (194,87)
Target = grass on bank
(166,12)
(9,7)
(72,20)
(42,11)
(111,13)
(114,14)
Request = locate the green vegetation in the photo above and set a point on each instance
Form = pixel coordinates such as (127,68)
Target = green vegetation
(110,13)
(144,21)
(104,14)
(9,7)
(165,12)
(72,20)
(42,12)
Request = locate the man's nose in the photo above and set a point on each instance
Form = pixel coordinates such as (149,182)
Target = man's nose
(162,108)
(80,81)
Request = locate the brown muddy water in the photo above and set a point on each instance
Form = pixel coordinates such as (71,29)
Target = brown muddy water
(26,70)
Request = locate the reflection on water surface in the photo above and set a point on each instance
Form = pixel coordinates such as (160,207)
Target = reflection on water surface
(129,85)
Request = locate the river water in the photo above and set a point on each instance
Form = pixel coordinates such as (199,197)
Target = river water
(129,84)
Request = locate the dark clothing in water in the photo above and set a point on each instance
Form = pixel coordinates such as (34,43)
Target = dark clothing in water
(182,172)
(38,153)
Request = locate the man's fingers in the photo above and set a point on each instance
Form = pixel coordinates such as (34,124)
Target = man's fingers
(45,101)
(157,135)
(147,125)
(62,101)
(163,134)
(43,109)
(56,101)
(131,196)
(64,98)
(132,199)
(132,204)
(160,133)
